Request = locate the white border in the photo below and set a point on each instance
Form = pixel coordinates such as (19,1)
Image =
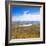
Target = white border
(29,39)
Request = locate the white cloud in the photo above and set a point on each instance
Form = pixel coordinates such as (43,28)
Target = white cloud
(25,12)
(26,17)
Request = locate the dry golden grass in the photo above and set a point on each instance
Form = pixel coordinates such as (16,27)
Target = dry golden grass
(25,32)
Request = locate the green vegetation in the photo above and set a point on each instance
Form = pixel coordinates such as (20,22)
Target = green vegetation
(25,32)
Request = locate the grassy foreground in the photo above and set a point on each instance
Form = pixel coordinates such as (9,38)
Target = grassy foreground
(25,32)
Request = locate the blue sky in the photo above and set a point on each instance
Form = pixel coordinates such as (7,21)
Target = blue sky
(19,13)
(20,10)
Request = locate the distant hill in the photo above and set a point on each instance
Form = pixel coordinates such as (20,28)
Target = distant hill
(26,22)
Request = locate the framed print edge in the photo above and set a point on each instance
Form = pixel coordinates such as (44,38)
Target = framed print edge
(6,37)
(6,32)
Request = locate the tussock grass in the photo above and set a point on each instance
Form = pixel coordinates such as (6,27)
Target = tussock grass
(25,32)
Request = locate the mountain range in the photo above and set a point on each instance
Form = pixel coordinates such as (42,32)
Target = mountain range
(26,22)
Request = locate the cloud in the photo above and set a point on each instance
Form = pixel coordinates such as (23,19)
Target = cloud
(26,17)
(25,12)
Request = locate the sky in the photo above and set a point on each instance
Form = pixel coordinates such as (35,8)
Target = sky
(21,13)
